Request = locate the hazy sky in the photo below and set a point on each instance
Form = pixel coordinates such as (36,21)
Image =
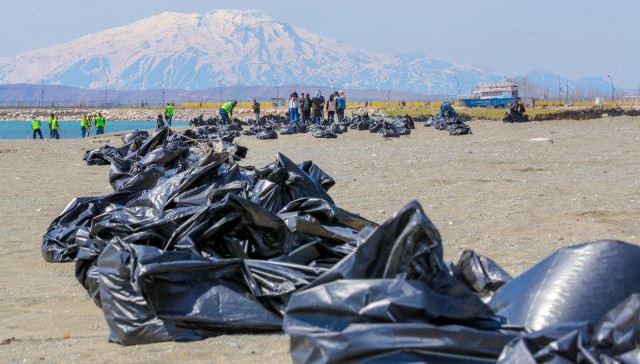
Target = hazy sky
(572,38)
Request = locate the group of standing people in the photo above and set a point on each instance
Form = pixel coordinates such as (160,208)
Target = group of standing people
(54,127)
(88,120)
(306,109)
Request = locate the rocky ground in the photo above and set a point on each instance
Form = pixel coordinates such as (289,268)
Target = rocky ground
(499,191)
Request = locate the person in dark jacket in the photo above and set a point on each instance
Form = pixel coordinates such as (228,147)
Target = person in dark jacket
(256,110)
(160,121)
(317,107)
(306,108)
(341,105)
(518,109)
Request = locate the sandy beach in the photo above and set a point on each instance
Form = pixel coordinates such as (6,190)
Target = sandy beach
(495,191)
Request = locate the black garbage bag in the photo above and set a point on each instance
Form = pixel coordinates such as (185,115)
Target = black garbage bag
(375,126)
(390,133)
(233,228)
(404,131)
(283,181)
(135,135)
(387,321)
(267,134)
(564,343)
(319,218)
(393,300)
(512,117)
(616,339)
(481,274)
(288,130)
(317,174)
(101,156)
(578,283)
(459,129)
(324,133)
(59,241)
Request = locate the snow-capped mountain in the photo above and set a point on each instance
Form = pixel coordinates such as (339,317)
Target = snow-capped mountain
(228,48)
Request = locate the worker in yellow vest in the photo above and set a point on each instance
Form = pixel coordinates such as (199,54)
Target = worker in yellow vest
(100,124)
(84,125)
(54,126)
(168,114)
(226,112)
(51,117)
(35,127)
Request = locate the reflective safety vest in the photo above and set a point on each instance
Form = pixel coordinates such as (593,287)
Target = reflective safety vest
(228,107)
(99,122)
(35,124)
(85,122)
(168,111)
(53,124)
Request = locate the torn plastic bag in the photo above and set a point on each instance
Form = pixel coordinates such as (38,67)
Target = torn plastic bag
(282,182)
(59,241)
(481,274)
(317,174)
(267,134)
(388,321)
(574,284)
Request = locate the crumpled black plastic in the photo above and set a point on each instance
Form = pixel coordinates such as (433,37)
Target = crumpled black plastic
(615,339)
(480,273)
(393,300)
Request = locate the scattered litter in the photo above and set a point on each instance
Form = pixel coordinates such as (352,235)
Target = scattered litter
(192,244)
(541,140)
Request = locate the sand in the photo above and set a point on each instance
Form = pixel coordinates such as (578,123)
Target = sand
(495,191)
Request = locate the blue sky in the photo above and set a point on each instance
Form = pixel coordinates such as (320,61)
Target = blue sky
(572,38)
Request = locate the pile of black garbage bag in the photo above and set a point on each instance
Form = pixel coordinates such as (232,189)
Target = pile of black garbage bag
(191,245)
(453,125)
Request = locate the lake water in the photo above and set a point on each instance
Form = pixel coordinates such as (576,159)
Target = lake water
(71,129)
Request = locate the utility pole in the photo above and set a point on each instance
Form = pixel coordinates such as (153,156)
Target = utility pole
(567,91)
(163,98)
(106,92)
(388,91)
(613,88)
(559,89)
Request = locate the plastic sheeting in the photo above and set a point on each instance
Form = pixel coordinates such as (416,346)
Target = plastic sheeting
(575,284)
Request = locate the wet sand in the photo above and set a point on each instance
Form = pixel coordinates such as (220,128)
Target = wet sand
(494,191)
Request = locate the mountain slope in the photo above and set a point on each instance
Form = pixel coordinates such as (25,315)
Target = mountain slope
(226,48)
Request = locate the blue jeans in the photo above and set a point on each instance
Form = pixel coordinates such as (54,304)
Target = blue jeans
(37,131)
(100,130)
(168,119)
(83,131)
(294,115)
(55,134)
(224,116)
